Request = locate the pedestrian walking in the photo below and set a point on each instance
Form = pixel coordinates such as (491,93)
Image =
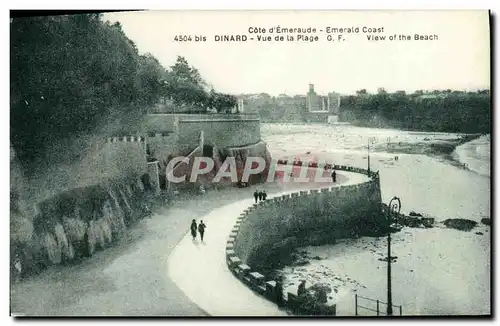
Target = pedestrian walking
(264,195)
(256,196)
(260,195)
(201,229)
(18,269)
(302,288)
(334,176)
(194,227)
(279,294)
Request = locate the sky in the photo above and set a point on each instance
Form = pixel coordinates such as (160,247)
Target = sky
(459,59)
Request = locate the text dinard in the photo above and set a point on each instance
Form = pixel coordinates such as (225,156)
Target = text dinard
(304,34)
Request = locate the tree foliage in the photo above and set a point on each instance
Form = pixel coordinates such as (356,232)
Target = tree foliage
(70,73)
(446,111)
(186,87)
(222,102)
(433,110)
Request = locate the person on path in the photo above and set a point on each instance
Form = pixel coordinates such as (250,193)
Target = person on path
(256,196)
(302,288)
(18,269)
(334,176)
(279,294)
(201,229)
(260,195)
(264,195)
(193,229)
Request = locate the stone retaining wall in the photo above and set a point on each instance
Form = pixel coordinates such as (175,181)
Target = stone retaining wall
(292,218)
(222,133)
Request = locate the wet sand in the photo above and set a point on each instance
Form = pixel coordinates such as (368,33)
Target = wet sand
(437,271)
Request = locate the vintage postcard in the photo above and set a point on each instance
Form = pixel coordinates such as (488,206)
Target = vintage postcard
(250,163)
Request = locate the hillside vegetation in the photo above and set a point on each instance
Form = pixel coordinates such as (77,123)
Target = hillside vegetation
(75,80)
(76,75)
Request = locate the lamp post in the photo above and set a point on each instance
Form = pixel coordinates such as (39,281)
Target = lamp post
(394,208)
(368,155)
(369,139)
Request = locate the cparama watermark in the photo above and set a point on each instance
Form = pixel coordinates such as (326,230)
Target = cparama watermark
(294,171)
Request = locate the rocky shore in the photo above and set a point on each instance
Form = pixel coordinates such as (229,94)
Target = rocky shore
(334,273)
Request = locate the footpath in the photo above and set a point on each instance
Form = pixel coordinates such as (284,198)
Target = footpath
(131,279)
(199,268)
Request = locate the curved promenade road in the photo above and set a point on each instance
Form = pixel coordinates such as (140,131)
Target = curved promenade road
(130,279)
(199,268)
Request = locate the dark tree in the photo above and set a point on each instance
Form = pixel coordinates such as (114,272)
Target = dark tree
(68,74)
(446,111)
(75,74)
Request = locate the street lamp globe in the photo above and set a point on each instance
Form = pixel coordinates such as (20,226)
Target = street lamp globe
(394,208)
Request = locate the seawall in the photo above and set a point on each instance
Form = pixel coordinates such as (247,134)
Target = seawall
(271,228)
(165,122)
(221,132)
(241,154)
(215,136)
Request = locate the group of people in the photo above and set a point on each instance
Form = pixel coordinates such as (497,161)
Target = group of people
(198,228)
(259,195)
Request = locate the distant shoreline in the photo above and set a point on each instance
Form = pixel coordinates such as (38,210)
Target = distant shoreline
(465,156)
(432,146)
(437,148)
(302,123)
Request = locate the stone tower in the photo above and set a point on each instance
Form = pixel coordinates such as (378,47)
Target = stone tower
(316,103)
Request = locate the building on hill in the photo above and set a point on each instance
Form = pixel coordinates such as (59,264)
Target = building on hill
(320,103)
(315,102)
(309,107)
(321,108)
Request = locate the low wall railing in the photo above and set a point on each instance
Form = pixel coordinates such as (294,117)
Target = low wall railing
(185,116)
(269,288)
(126,139)
(328,166)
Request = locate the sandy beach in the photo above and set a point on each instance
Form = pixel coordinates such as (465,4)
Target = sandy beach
(438,271)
